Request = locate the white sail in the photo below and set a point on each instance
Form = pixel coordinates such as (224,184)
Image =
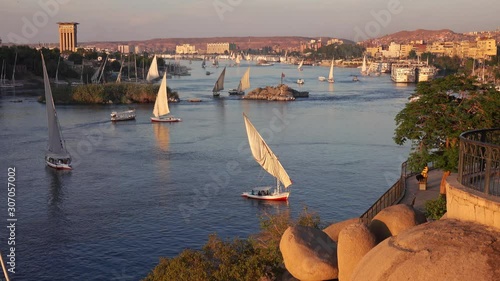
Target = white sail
(363,67)
(153,71)
(237,60)
(330,75)
(264,156)
(219,85)
(161,103)
(300,65)
(56,147)
(245,81)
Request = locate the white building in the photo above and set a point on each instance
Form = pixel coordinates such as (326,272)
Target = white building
(185,49)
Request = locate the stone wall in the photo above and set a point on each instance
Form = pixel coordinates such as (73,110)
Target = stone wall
(470,205)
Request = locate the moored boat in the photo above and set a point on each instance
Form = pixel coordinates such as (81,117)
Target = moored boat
(123,115)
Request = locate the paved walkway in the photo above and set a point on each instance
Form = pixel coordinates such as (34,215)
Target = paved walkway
(421,196)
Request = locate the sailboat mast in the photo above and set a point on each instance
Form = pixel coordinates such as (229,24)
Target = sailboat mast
(103,70)
(14,70)
(128,67)
(1,73)
(135,67)
(81,75)
(57,70)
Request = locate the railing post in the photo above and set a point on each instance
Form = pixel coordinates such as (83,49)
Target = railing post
(487,169)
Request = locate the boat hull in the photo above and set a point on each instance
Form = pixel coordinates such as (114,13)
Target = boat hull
(275,197)
(123,116)
(165,119)
(59,166)
(331,81)
(236,92)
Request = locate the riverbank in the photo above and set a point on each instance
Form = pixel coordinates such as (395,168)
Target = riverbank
(110,93)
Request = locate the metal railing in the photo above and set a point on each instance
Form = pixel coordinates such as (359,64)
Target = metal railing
(391,196)
(479,160)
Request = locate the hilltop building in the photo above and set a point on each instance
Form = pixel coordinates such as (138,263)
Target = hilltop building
(483,47)
(220,48)
(67,36)
(334,41)
(126,49)
(185,49)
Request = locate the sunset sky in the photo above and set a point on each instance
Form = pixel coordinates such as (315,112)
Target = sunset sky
(34,21)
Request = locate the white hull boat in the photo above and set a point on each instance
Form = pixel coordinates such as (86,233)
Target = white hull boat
(161,108)
(123,115)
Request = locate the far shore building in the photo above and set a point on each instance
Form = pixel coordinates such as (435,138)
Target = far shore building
(185,49)
(68,36)
(126,49)
(220,48)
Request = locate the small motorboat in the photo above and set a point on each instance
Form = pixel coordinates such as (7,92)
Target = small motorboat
(123,116)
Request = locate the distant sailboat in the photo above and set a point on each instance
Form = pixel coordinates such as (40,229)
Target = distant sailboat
(364,70)
(330,75)
(153,71)
(237,60)
(57,156)
(270,163)
(243,85)
(219,85)
(300,65)
(161,108)
(203,64)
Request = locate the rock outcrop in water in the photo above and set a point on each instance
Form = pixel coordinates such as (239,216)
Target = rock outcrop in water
(277,93)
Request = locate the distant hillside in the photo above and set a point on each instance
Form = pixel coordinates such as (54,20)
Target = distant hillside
(242,43)
(419,34)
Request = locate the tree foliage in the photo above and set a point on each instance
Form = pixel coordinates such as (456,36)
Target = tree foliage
(445,108)
(339,51)
(238,259)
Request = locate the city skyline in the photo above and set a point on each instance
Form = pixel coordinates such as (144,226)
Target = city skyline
(31,22)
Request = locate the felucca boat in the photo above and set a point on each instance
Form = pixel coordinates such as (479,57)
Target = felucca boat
(270,163)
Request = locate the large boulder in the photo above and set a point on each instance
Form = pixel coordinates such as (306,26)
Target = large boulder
(440,250)
(354,242)
(395,219)
(334,229)
(309,254)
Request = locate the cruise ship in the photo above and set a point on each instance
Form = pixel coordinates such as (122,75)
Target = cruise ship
(403,73)
(426,73)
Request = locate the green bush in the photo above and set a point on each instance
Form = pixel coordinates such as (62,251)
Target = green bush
(435,209)
(238,259)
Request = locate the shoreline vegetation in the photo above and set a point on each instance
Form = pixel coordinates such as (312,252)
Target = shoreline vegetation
(108,93)
(255,258)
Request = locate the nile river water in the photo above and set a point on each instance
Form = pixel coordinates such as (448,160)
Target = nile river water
(140,191)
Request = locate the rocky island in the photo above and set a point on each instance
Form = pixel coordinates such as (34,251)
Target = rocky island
(277,93)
